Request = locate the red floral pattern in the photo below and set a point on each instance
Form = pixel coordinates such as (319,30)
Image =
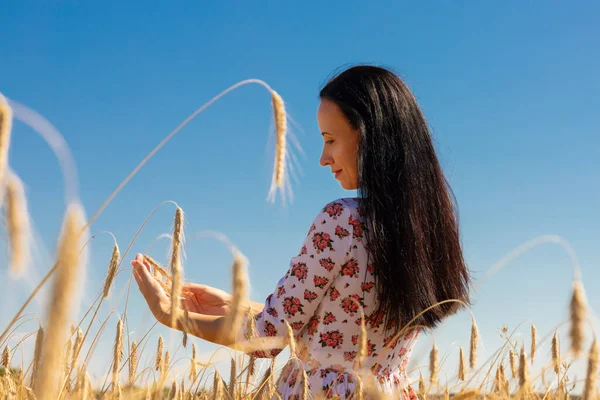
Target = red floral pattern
(320,296)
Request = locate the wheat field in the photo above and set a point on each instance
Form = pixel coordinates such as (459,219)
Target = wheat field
(62,346)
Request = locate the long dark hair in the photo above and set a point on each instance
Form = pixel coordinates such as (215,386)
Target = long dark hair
(405,199)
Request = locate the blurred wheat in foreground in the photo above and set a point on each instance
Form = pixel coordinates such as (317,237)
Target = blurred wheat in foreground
(58,367)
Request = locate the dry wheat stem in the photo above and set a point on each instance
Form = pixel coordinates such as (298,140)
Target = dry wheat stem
(17,223)
(176,268)
(62,296)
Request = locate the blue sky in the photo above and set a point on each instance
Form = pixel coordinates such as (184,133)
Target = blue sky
(510,91)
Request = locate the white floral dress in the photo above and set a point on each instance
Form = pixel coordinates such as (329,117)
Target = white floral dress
(319,297)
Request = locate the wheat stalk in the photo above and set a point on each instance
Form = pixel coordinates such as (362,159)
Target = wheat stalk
(17,223)
(62,297)
(176,269)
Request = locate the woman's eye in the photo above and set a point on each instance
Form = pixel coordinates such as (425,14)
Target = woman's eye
(329,141)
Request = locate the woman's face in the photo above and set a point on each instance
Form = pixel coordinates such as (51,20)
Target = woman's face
(340,144)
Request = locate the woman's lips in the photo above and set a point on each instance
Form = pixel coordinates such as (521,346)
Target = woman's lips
(337,173)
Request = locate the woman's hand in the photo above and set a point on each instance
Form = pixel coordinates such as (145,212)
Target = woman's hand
(203,299)
(158,300)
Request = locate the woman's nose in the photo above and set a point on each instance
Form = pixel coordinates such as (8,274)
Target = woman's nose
(325,159)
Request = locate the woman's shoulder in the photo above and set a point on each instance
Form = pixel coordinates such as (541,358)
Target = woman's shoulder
(343,206)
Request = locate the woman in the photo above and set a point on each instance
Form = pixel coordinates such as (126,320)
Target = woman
(392,252)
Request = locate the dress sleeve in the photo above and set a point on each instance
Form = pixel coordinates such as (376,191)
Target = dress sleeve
(298,293)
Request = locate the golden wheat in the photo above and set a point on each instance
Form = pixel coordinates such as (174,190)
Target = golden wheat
(17,223)
(176,268)
(433,364)
(112,270)
(578,311)
(591,377)
(5,129)
(159,354)
(461,365)
(473,344)
(62,296)
(533,342)
(279,170)
(240,292)
(555,354)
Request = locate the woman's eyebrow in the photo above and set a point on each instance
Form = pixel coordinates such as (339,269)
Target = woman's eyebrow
(326,133)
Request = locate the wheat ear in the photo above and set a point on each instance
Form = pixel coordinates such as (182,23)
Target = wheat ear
(117,351)
(66,281)
(176,269)
(112,270)
(433,364)
(240,293)
(461,365)
(512,356)
(473,344)
(17,223)
(555,354)
(591,377)
(5,129)
(133,361)
(159,353)
(279,170)
(533,342)
(578,311)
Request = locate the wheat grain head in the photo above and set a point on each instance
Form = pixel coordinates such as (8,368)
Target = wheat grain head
(66,283)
